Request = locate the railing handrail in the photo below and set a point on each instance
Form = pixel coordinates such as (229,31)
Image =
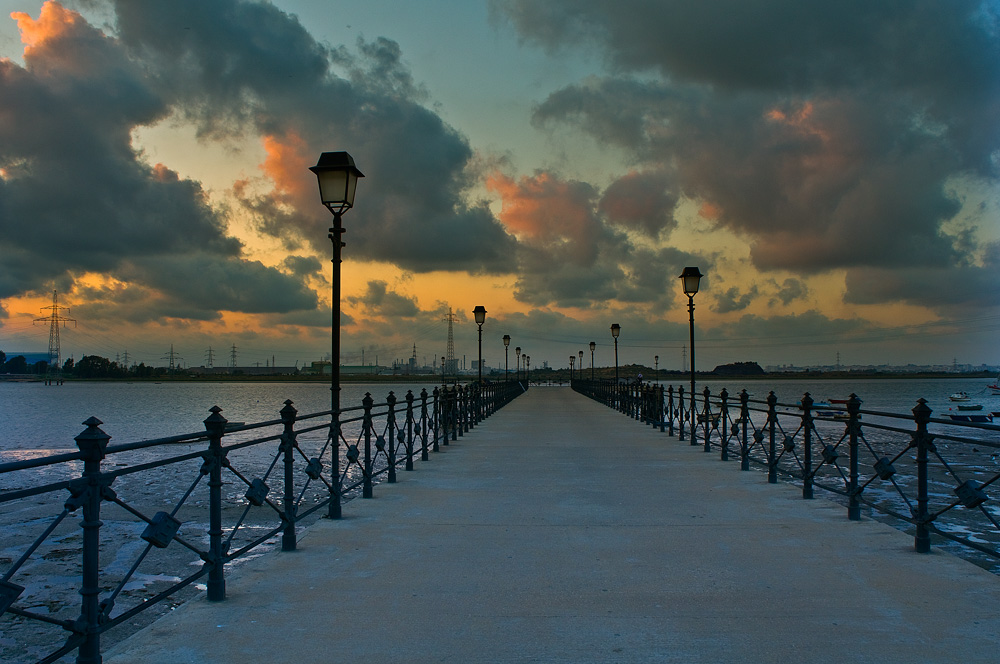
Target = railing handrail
(397,424)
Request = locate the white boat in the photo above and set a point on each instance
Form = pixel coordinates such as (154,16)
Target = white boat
(994,388)
(960,396)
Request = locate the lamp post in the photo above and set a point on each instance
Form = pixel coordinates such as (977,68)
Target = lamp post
(517,353)
(593,345)
(444,376)
(616,329)
(579,375)
(690,278)
(656,368)
(338,181)
(572,361)
(527,369)
(506,371)
(480,314)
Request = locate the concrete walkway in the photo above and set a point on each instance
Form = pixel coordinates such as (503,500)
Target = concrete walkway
(561,531)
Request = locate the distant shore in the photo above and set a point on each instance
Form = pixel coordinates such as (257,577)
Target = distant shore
(538,376)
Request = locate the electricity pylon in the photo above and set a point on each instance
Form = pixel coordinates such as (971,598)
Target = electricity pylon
(55,351)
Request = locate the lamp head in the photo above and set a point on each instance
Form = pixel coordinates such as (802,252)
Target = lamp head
(480,314)
(691,277)
(616,329)
(593,345)
(338,180)
(506,340)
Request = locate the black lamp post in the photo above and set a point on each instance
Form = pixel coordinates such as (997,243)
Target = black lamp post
(506,343)
(656,368)
(690,278)
(527,369)
(444,376)
(593,345)
(338,180)
(616,329)
(517,354)
(580,365)
(480,314)
(572,361)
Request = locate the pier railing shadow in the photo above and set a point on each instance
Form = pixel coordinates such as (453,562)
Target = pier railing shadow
(165,518)
(934,478)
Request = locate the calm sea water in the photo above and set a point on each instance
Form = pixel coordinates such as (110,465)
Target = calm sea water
(34,416)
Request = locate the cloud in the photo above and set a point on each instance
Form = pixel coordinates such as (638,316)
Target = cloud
(76,197)
(831,136)
(734,300)
(246,68)
(380,301)
(641,201)
(789,291)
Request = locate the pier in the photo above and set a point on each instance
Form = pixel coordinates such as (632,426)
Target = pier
(562,532)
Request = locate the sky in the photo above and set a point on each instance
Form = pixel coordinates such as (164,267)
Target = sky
(832,168)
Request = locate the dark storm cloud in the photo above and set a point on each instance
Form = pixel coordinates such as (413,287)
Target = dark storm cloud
(641,201)
(245,67)
(75,197)
(832,135)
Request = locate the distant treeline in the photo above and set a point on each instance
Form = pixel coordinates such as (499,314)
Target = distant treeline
(89,366)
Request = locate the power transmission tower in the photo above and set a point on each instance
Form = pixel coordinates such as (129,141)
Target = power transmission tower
(173,357)
(55,351)
(450,366)
(209,357)
(125,358)
(232,356)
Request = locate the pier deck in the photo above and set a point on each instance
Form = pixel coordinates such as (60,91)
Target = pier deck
(559,531)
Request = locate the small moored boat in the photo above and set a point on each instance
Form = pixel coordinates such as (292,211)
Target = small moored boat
(960,396)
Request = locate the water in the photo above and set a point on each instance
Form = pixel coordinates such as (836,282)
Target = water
(36,417)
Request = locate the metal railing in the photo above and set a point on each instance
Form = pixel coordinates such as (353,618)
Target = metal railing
(152,510)
(932,476)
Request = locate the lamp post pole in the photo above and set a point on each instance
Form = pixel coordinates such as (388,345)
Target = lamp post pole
(691,277)
(517,355)
(506,371)
(444,376)
(656,368)
(593,345)
(616,329)
(480,314)
(572,361)
(527,369)
(579,371)
(338,179)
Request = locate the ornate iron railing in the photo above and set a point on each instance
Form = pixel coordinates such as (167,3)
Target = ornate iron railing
(152,510)
(932,476)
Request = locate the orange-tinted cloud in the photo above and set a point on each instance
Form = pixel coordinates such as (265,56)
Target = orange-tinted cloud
(544,208)
(285,165)
(54,21)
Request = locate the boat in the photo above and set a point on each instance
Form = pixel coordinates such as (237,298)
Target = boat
(983,418)
(970,406)
(994,388)
(960,396)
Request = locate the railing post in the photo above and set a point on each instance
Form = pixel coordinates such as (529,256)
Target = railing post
(409,430)
(925,443)
(215,425)
(390,429)
(438,421)
(724,418)
(854,428)
(807,427)
(287,448)
(772,425)
(92,442)
(680,414)
(670,410)
(367,403)
(708,421)
(745,419)
(422,429)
